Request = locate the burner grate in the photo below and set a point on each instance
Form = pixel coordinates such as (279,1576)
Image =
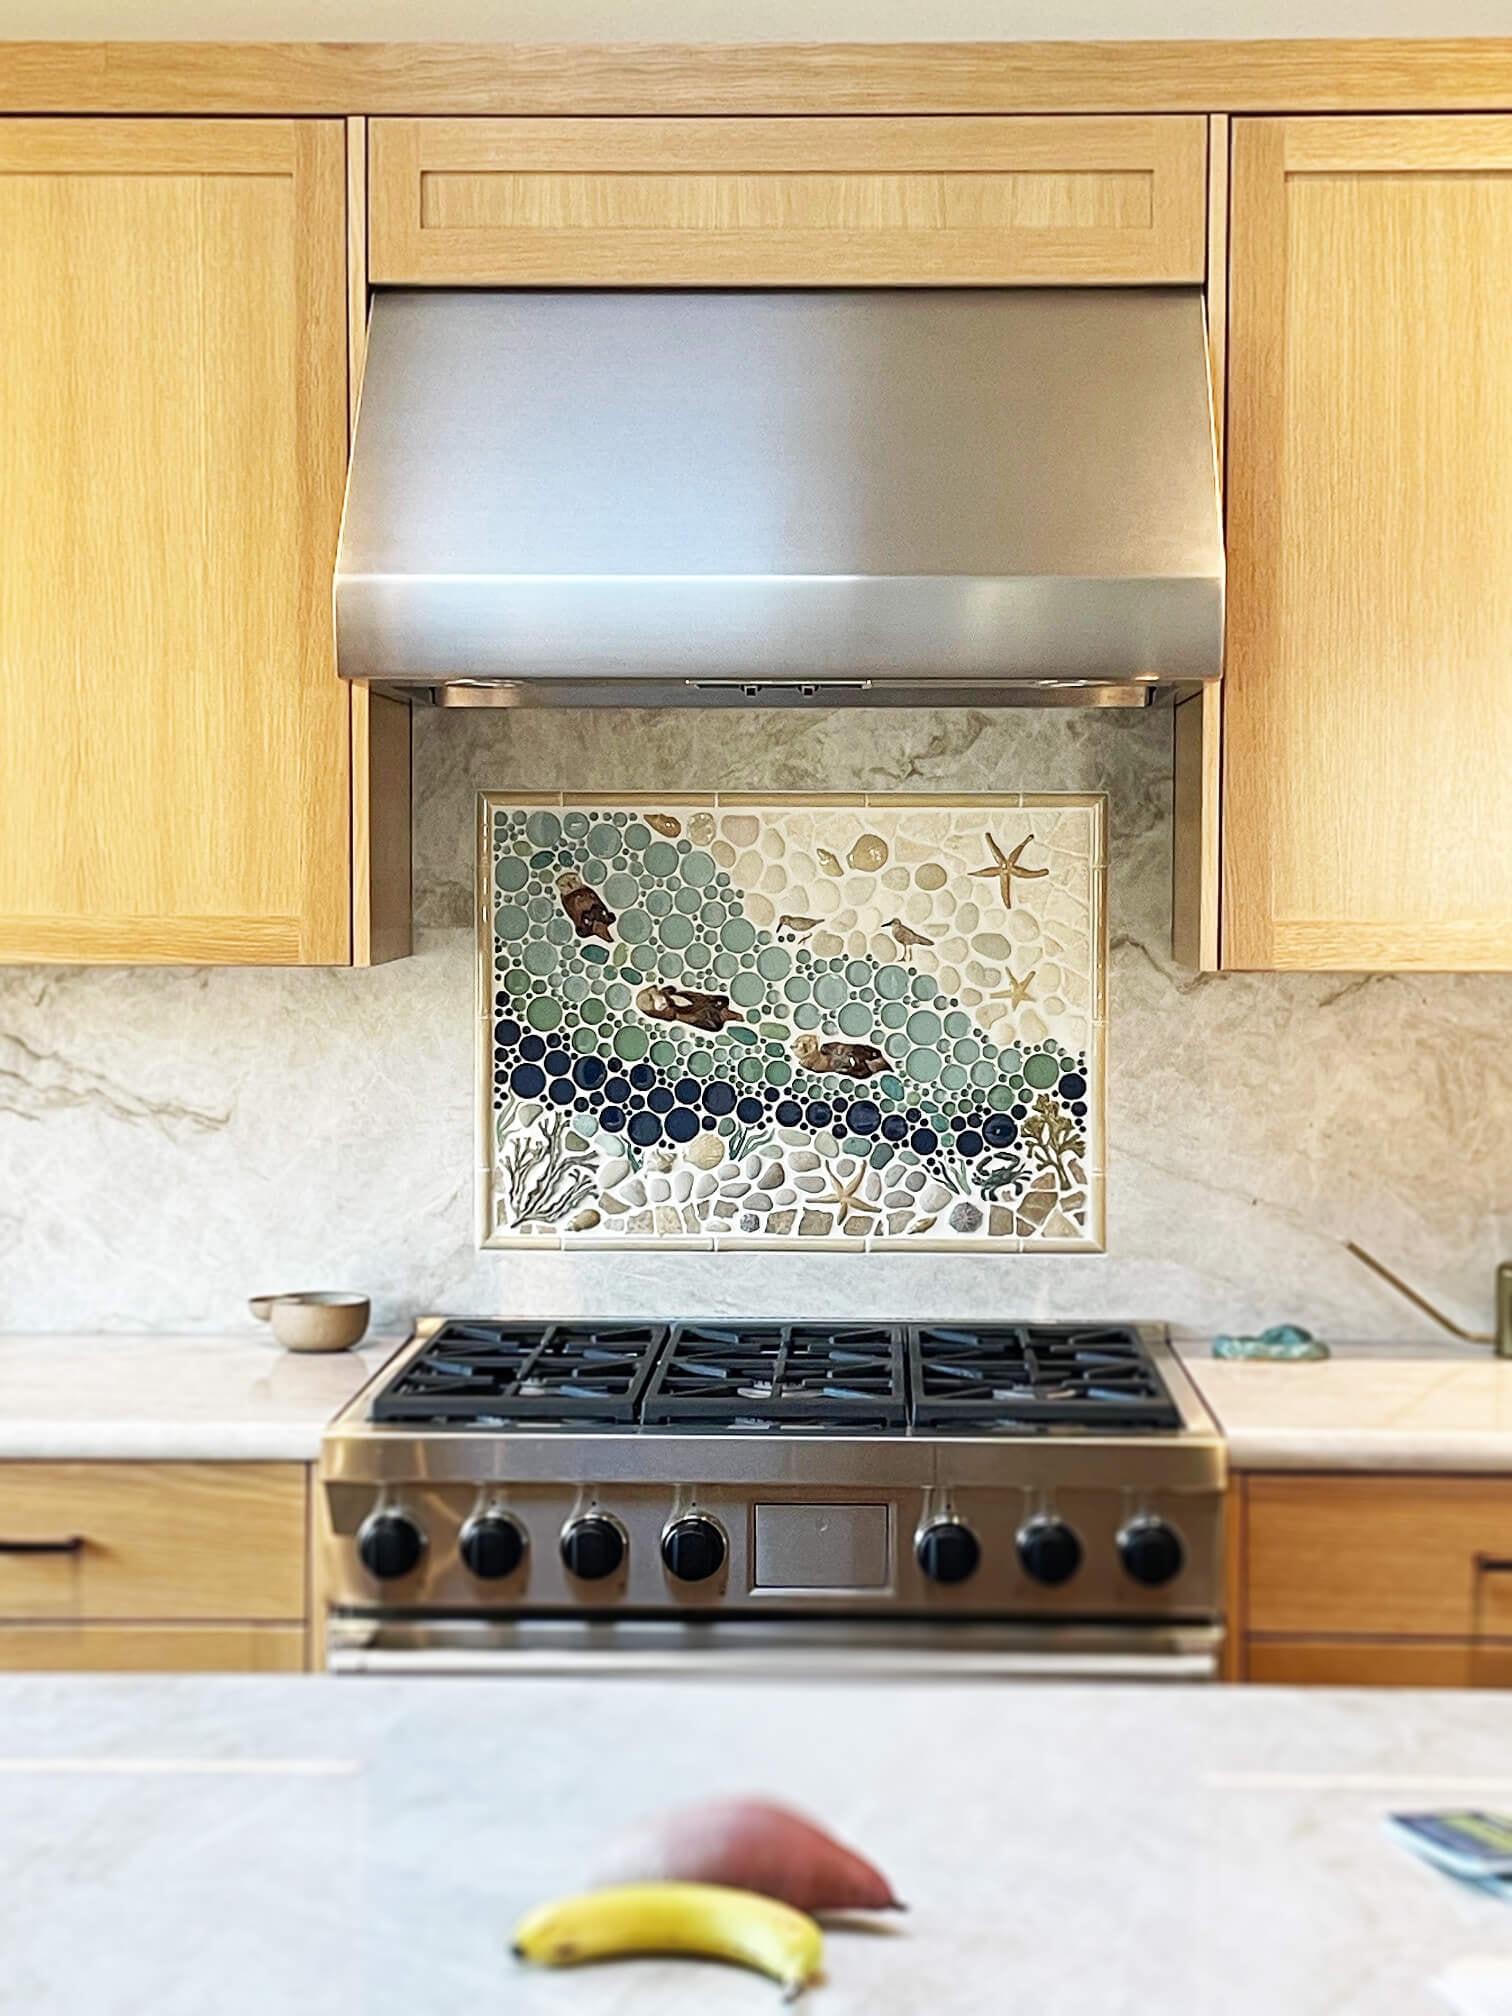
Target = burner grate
(514,1372)
(1028,1375)
(760,1375)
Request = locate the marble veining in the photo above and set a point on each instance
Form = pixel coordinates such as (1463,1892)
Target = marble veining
(1254,1121)
(354,1848)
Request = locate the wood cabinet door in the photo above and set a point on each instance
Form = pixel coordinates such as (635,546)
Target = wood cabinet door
(787,202)
(1367,718)
(175,760)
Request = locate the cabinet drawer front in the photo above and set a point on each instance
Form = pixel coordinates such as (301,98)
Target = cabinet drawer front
(1378,1662)
(1409,1557)
(786,202)
(163,1541)
(152,1648)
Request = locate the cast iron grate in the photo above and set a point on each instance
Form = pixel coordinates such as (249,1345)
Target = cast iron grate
(827,1375)
(474,1371)
(1035,1375)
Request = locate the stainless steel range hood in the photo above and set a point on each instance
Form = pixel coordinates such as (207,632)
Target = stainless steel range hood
(726,498)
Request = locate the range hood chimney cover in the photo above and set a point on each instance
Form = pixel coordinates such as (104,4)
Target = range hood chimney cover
(671,496)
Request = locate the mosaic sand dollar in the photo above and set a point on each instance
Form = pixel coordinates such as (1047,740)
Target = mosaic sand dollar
(866,1022)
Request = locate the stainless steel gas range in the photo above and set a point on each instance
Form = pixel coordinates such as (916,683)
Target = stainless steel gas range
(944,1498)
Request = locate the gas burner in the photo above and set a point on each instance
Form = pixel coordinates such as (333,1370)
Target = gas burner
(504,1374)
(1023,1376)
(757,1375)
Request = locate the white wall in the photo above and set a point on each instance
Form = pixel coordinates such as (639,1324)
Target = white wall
(718,21)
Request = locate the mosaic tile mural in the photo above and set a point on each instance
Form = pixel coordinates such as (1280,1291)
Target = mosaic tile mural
(808,1021)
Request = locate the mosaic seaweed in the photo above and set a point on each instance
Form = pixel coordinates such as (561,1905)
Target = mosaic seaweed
(870,1022)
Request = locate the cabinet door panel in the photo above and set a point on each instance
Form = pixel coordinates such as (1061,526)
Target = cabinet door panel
(787,202)
(1367,726)
(175,767)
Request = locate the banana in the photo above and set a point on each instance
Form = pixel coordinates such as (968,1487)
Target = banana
(700,1918)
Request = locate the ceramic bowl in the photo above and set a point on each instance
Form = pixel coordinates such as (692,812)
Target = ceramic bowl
(315,1319)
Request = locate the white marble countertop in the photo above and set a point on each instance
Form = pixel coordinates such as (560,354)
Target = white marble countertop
(173,1399)
(1368,1407)
(363,1847)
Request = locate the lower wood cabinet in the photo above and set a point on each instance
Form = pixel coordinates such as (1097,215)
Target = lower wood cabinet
(1359,1580)
(154,1566)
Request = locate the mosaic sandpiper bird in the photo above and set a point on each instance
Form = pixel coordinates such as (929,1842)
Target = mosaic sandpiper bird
(797,925)
(590,914)
(1002,868)
(841,1060)
(907,937)
(687,1005)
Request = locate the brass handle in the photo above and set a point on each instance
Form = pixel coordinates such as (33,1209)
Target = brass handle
(74,1544)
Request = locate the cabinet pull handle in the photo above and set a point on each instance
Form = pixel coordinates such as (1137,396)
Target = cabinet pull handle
(1493,1564)
(74,1544)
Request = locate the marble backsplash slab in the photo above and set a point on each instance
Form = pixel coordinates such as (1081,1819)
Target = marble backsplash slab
(171,1141)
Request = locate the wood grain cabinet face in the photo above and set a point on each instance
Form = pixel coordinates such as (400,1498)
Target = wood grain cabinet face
(786,202)
(1367,810)
(175,765)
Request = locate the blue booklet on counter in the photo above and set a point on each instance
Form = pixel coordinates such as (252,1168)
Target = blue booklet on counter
(1475,1846)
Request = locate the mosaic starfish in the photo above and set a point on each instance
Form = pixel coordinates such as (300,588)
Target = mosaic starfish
(844,1194)
(1003,867)
(1016,993)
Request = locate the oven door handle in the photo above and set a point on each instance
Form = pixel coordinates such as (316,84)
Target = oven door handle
(1186,1654)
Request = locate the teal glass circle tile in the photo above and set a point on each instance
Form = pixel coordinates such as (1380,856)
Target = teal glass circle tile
(517,982)
(630,1043)
(539,957)
(543,829)
(725,1126)
(738,935)
(922,1064)
(891,982)
(746,990)
(698,956)
(510,921)
(953,1077)
(617,997)
(635,836)
(1000,1098)
(773,962)
(664,1053)
(966,1049)
(983,1072)
(1009,1060)
(750,1070)
(595,872)
(586,1041)
(687,901)
(711,915)
(590,1007)
(543,858)
(621,891)
(510,874)
(924,987)
(701,1064)
(596,955)
(671,965)
(574,824)
(675,931)
(634,927)
(726,965)
(830,990)
(796,987)
(892,1014)
(738,1032)
(779,1071)
(807,1016)
(1041,1071)
(559,930)
(924,1026)
(544,1012)
(697,868)
(896,1044)
(859,973)
(585,1123)
(661,858)
(880,1154)
(892,1087)
(603,839)
(540,909)
(854,1019)
(656,902)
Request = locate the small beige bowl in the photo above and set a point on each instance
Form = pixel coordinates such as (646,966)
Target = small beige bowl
(314,1320)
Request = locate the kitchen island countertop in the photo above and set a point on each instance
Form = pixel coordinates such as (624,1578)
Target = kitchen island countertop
(100,1399)
(1444,1407)
(362,1847)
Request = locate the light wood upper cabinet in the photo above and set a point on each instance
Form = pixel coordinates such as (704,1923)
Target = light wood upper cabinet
(787,202)
(175,766)
(1367,803)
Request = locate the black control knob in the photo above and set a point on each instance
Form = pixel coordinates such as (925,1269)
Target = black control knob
(593,1548)
(1151,1552)
(693,1549)
(492,1545)
(389,1545)
(1049,1550)
(948,1551)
